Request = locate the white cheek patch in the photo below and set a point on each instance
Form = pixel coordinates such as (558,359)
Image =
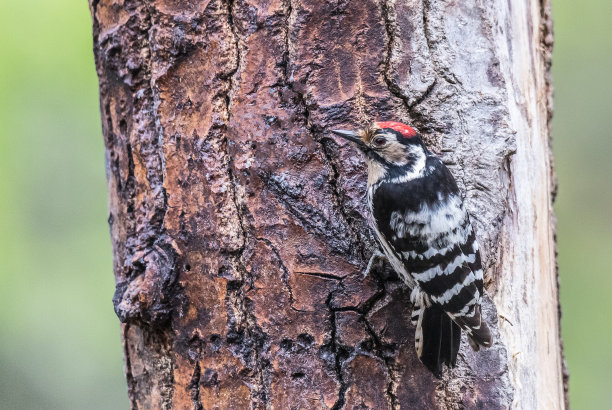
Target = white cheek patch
(397,153)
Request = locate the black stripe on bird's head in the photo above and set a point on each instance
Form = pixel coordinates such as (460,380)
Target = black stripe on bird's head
(388,142)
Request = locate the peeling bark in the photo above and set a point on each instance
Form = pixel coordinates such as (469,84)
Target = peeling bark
(238,224)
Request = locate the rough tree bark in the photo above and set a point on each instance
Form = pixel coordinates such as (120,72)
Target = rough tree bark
(237,222)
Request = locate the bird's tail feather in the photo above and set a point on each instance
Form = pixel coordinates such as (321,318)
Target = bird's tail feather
(478,332)
(437,337)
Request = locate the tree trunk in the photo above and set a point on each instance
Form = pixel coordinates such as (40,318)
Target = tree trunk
(238,223)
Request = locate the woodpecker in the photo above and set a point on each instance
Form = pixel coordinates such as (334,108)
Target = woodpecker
(425,233)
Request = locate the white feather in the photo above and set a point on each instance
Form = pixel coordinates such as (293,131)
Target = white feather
(450,268)
(446,296)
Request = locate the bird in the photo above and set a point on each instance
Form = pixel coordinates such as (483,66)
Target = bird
(420,223)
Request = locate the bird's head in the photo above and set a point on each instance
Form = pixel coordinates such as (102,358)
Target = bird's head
(390,148)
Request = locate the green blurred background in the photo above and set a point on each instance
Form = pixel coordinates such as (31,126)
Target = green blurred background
(59,339)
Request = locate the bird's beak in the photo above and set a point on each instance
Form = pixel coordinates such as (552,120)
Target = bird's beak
(351,136)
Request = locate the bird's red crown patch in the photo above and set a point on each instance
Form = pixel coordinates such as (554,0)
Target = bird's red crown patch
(406,131)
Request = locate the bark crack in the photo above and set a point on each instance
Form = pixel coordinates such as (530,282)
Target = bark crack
(329,160)
(338,203)
(392,374)
(230,76)
(382,351)
(335,346)
(389,17)
(285,275)
(333,180)
(131,382)
(194,386)
(148,254)
(94,8)
(156,178)
(257,338)
(320,275)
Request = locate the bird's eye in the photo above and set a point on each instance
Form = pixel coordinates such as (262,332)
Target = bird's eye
(380,141)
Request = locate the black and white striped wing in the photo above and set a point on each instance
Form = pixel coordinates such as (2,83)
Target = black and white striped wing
(428,229)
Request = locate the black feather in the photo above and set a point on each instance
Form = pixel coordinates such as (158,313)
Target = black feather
(441,340)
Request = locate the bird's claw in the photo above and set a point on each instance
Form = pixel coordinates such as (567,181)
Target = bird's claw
(375,259)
